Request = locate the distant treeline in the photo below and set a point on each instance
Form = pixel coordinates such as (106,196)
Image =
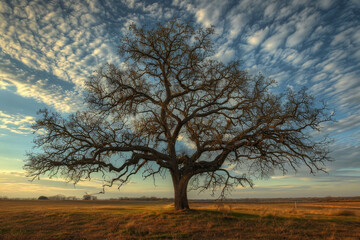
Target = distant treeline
(143,198)
(89,197)
(279,200)
(58,197)
(229,200)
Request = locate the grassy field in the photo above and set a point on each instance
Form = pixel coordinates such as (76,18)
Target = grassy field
(157,220)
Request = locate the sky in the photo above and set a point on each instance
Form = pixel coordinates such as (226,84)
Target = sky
(48,49)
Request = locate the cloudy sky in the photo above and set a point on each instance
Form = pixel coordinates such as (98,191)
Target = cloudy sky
(49,48)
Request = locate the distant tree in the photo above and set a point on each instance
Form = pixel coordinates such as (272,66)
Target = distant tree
(71,198)
(171,107)
(57,197)
(43,198)
(89,196)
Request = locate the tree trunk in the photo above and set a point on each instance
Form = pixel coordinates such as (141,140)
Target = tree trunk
(180,192)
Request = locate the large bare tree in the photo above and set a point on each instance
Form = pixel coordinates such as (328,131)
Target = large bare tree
(171,107)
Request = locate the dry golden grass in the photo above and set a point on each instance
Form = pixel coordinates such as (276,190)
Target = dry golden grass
(157,220)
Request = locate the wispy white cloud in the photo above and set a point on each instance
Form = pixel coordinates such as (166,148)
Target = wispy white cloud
(18,124)
(5,8)
(345,124)
(225,53)
(277,39)
(305,22)
(129,3)
(356,3)
(344,37)
(316,47)
(280,177)
(237,23)
(325,4)
(256,38)
(319,76)
(209,13)
(284,12)
(57,43)
(309,63)
(40,90)
(271,10)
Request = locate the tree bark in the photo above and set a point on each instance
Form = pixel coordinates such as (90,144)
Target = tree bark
(180,191)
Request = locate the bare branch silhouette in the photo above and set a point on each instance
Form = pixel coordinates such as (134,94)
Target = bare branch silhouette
(171,93)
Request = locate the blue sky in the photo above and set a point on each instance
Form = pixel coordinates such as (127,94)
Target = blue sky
(49,48)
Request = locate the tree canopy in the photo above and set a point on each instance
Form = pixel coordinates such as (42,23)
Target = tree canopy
(173,108)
